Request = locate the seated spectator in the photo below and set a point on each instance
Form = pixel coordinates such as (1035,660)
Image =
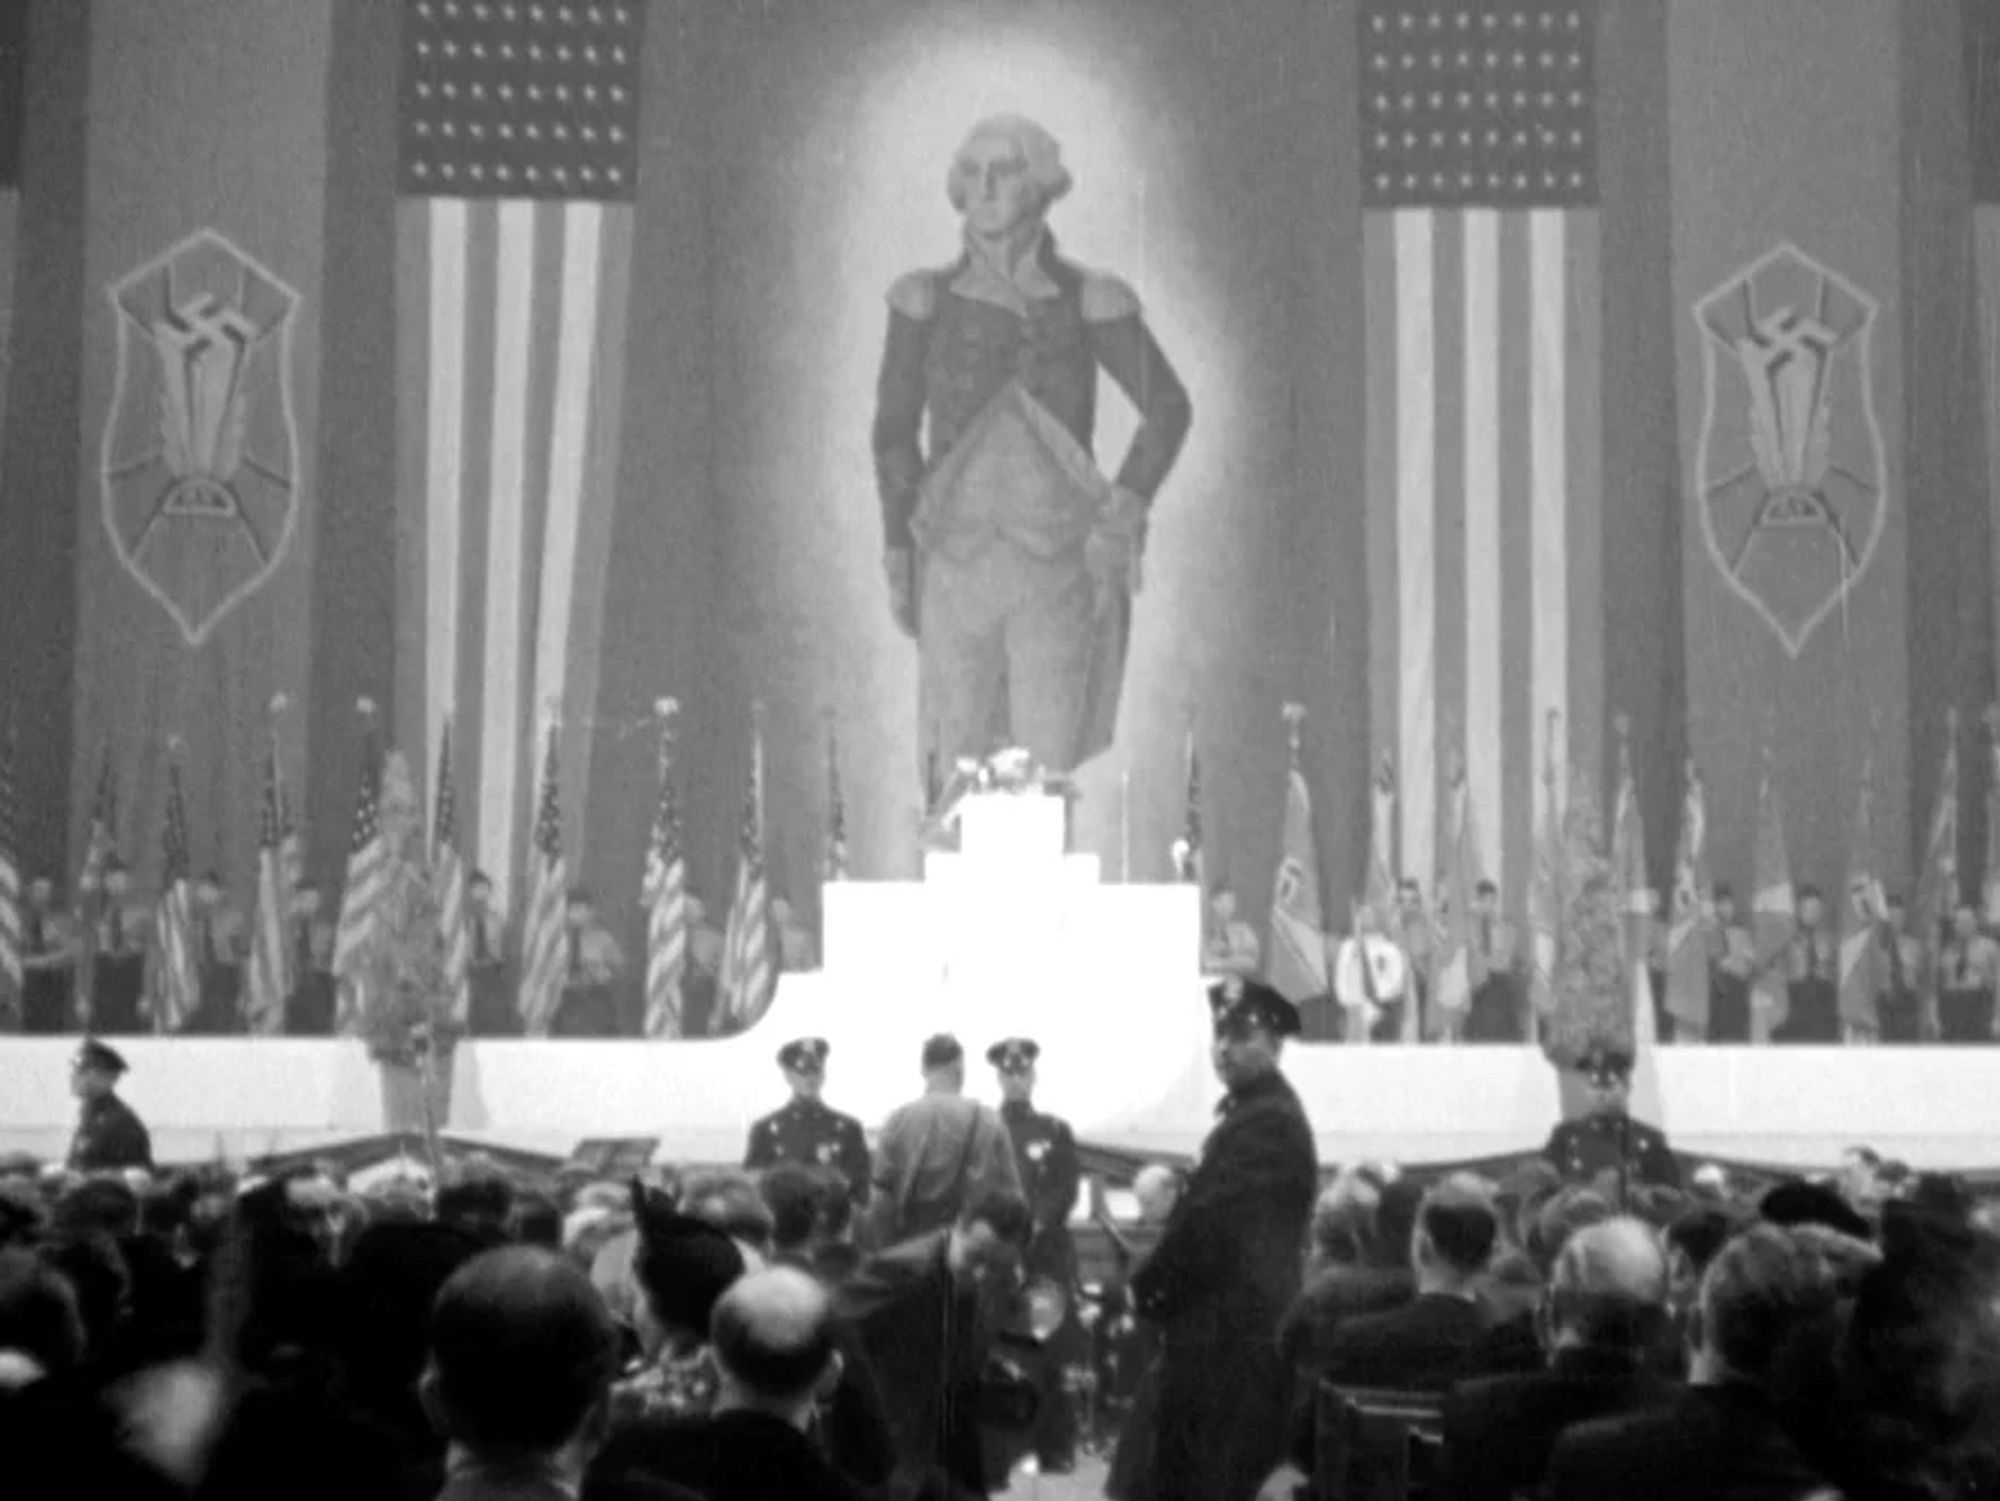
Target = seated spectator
(1917,1410)
(1804,1203)
(537,1222)
(1557,1218)
(1425,1345)
(731,1202)
(682,1267)
(387,1288)
(106,1204)
(521,1354)
(1606,1303)
(794,1195)
(481,1204)
(95,1268)
(776,1360)
(41,1329)
(1343,1222)
(1339,1292)
(1723,1436)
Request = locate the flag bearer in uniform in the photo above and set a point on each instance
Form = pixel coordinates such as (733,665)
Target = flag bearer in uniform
(309,1008)
(1045,1154)
(218,953)
(1495,1015)
(494,1013)
(1731,962)
(1899,1004)
(1968,967)
(48,961)
(118,973)
(592,965)
(805,1129)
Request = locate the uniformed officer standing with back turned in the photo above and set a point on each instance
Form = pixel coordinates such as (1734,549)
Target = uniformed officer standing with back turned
(1045,1153)
(109,1133)
(1607,1139)
(805,1129)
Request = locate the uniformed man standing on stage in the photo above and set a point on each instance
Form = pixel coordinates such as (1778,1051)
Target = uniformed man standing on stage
(1607,1139)
(805,1130)
(109,1134)
(118,964)
(1045,1154)
(48,961)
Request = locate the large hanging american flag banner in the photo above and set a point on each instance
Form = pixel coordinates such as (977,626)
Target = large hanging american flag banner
(1479,172)
(519,135)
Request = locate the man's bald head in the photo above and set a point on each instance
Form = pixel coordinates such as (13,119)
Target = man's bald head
(772,1334)
(1609,1285)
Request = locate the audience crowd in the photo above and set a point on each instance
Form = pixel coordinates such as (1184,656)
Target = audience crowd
(716,1335)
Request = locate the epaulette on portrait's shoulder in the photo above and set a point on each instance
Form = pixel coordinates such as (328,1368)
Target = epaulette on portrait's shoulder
(915,295)
(1107,298)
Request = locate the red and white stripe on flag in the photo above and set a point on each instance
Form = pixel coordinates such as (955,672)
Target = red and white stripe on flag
(519,160)
(665,895)
(10,880)
(544,956)
(1483,432)
(749,967)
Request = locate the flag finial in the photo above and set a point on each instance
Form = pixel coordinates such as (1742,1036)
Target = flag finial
(365,707)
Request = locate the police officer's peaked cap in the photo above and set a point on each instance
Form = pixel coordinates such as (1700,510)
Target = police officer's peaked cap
(1239,1002)
(1014,1055)
(1604,1064)
(101,1058)
(942,1051)
(804,1055)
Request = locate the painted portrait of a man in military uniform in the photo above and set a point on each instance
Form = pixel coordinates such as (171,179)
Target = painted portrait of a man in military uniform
(1011,558)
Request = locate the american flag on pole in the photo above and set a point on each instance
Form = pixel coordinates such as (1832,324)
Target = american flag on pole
(519,132)
(10,883)
(269,981)
(1773,912)
(666,899)
(749,968)
(448,888)
(1548,900)
(367,879)
(834,866)
(1863,908)
(177,978)
(1482,358)
(542,946)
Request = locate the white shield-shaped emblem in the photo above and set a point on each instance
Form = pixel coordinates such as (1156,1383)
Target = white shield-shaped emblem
(199,465)
(1791,472)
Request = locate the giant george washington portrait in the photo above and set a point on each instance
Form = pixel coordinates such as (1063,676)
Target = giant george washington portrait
(1012,558)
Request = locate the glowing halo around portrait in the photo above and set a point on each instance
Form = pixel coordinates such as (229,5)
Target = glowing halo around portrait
(900,124)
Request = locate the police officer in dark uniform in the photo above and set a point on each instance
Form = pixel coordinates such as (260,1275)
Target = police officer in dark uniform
(1228,1265)
(109,1134)
(1606,1140)
(805,1129)
(1045,1153)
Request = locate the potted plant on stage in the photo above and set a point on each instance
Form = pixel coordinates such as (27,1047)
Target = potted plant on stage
(405,1009)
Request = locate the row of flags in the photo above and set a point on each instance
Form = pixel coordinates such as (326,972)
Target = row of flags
(1298,963)
(749,965)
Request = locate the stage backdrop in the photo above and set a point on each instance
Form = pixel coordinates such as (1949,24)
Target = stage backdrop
(1460,456)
